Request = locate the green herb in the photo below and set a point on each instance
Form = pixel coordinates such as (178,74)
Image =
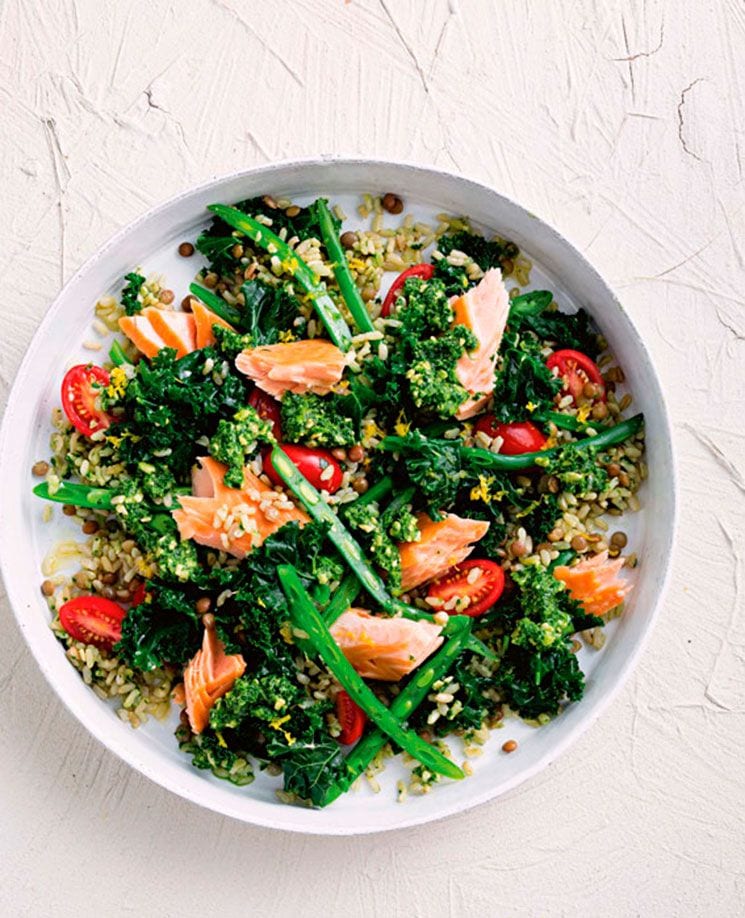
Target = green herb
(236,441)
(330,420)
(131,302)
(210,754)
(216,304)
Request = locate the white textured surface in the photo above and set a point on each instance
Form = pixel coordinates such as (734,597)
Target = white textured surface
(621,123)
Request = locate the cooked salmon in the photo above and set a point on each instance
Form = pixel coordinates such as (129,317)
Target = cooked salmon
(595,583)
(153,329)
(204,320)
(177,329)
(441,546)
(139,329)
(231,519)
(484,309)
(384,648)
(312,365)
(210,674)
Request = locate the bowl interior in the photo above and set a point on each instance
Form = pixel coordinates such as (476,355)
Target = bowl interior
(151,243)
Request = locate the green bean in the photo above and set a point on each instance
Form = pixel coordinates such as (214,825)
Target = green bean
(117,355)
(563,421)
(402,706)
(344,595)
(306,618)
(79,495)
(327,310)
(341,270)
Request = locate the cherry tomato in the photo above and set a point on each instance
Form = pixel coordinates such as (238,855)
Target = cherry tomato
(93,620)
(483,591)
(576,369)
(313,464)
(267,408)
(351,717)
(139,594)
(517,438)
(80,387)
(423,271)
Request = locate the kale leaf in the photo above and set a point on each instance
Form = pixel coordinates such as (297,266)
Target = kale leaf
(162,629)
(523,382)
(268,311)
(487,254)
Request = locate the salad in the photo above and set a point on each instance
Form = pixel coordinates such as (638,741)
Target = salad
(334,517)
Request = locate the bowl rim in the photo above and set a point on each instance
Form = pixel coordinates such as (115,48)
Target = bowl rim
(569,735)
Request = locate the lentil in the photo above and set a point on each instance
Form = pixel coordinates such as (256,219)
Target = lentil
(166,297)
(47,588)
(186,250)
(39,469)
(392,203)
(348,239)
(509,746)
(292,211)
(203,605)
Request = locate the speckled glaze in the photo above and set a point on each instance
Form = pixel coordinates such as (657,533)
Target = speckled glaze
(152,749)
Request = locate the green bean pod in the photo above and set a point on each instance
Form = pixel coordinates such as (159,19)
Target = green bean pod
(306,618)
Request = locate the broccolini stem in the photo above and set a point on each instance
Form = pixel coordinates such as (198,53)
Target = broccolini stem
(328,311)
(305,617)
(402,706)
(79,495)
(343,276)
(216,303)
(344,595)
(484,459)
(563,421)
(117,355)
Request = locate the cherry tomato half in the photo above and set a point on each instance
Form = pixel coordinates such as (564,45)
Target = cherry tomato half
(80,388)
(423,271)
(517,438)
(483,591)
(313,464)
(576,369)
(351,717)
(93,620)
(267,408)
(138,597)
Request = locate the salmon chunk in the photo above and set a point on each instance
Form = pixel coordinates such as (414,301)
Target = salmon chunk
(301,366)
(441,546)
(153,329)
(384,648)
(210,674)
(483,309)
(595,583)
(205,320)
(231,519)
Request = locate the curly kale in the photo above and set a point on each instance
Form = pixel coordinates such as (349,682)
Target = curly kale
(131,302)
(330,420)
(538,671)
(236,441)
(162,629)
(486,253)
(434,466)
(433,384)
(523,383)
(264,698)
(267,311)
(165,403)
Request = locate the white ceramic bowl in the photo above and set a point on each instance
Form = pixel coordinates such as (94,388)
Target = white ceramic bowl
(151,242)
